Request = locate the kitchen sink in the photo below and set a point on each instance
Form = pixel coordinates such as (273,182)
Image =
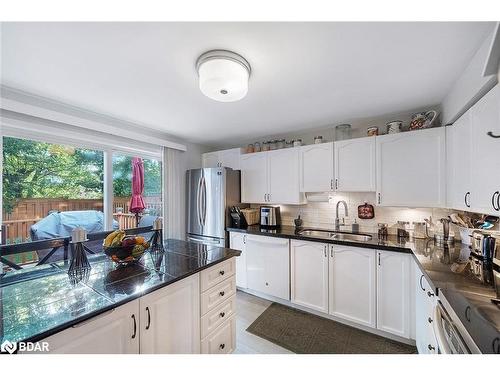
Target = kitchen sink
(351,237)
(317,233)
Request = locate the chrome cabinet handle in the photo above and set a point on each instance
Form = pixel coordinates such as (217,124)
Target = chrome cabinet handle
(497,206)
(430,320)
(420,282)
(135,326)
(467,195)
(336,183)
(331,184)
(430,294)
(430,347)
(222,293)
(222,346)
(379,259)
(149,318)
(331,251)
(326,255)
(222,314)
(493,135)
(221,272)
(378,198)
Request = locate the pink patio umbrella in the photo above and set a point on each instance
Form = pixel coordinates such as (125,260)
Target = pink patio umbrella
(137,204)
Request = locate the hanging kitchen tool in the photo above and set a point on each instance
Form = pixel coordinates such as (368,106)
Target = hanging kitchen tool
(366,211)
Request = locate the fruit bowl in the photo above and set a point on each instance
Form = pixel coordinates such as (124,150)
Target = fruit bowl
(124,254)
(123,249)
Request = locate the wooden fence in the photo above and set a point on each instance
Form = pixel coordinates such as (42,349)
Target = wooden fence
(29,211)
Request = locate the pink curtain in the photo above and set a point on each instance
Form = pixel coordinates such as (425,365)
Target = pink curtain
(137,204)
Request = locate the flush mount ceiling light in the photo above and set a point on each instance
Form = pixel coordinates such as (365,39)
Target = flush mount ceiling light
(223,75)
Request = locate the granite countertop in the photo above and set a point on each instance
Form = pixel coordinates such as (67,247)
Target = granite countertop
(447,270)
(40,301)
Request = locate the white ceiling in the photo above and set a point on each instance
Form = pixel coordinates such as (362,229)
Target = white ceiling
(304,75)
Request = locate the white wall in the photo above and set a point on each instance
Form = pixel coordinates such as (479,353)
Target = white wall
(471,85)
(359,127)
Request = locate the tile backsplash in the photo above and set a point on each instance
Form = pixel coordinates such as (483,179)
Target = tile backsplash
(322,214)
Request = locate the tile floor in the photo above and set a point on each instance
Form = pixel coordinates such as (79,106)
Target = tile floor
(248,309)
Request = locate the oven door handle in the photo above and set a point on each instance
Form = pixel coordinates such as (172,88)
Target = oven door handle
(439,316)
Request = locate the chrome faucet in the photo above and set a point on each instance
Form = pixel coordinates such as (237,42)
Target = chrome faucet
(337,220)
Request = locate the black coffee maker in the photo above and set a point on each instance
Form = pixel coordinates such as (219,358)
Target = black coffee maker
(237,218)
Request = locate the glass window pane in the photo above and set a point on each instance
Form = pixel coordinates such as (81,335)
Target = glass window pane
(149,207)
(49,189)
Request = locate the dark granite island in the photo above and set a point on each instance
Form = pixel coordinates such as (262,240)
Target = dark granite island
(147,299)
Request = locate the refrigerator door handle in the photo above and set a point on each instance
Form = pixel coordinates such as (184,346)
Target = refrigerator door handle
(203,240)
(198,197)
(204,217)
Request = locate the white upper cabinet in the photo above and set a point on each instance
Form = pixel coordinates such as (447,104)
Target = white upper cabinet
(271,177)
(283,176)
(226,158)
(316,167)
(485,117)
(394,293)
(411,168)
(355,164)
(458,164)
(353,284)
(309,274)
(254,186)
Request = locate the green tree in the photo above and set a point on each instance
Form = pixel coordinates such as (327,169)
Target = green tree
(42,170)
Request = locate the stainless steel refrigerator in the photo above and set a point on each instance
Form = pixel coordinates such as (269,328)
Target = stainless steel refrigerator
(210,193)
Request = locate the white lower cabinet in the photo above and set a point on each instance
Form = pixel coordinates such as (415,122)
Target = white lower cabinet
(394,293)
(237,242)
(112,332)
(425,301)
(353,284)
(170,318)
(193,315)
(268,265)
(222,341)
(309,274)
(218,310)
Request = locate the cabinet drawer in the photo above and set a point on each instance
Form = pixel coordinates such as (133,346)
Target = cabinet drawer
(221,341)
(221,292)
(217,273)
(211,320)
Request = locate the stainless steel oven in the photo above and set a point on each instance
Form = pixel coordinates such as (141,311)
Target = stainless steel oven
(451,336)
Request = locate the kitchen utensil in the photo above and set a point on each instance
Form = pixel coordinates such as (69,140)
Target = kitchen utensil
(298,222)
(366,211)
(394,126)
(238,218)
(430,118)
(342,132)
(372,131)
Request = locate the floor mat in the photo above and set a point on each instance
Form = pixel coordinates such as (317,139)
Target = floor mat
(304,333)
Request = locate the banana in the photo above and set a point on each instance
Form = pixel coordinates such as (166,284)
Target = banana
(109,238)
(118,239)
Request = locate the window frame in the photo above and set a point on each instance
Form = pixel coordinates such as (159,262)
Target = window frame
(114,146)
